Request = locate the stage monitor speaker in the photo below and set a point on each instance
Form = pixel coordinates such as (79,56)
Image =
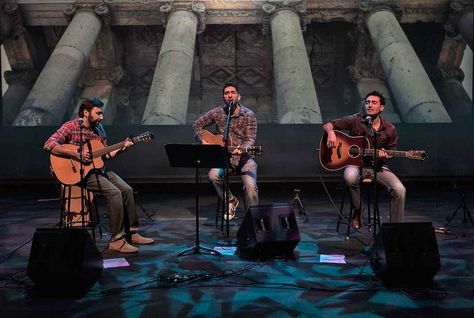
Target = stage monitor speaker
(406,253)
(63,261)
(267,231)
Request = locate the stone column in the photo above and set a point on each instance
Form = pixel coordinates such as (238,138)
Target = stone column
(51,95)
(19,85)
(368,75)
(462,16)
(453,94)
(415,95)
(168,99)
(296,98)
(19,50)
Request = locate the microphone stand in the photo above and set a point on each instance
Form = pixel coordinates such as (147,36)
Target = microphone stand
(374,259)
(225,180)
(81,171)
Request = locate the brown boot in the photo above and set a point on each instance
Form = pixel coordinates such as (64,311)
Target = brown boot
(122,246)
(356,221)
(138,239)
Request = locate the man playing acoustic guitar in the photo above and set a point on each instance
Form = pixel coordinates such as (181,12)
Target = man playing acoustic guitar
(118,194)
(385,135)
(242,134)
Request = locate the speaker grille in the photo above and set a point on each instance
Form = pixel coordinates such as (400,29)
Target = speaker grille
(268,230)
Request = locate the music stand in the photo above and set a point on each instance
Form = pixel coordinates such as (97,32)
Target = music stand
(197,156)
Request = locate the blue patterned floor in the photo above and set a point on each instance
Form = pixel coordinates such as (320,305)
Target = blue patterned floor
(159,284)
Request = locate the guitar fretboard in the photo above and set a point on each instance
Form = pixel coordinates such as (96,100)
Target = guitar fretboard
(394,153)
(106,150)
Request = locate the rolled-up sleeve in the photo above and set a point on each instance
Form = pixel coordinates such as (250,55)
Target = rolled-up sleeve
(203,121)
(61,136)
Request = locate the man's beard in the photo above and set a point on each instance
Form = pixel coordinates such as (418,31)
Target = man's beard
(92,122)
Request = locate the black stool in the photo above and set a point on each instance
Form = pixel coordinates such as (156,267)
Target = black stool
(366,186)
(221,208)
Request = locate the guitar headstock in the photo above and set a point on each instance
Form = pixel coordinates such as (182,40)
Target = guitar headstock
(417,154)
(144,137)
(254,150)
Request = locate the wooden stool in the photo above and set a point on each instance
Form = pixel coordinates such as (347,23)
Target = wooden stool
(72,214)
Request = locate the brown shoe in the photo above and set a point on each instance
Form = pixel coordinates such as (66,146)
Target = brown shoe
(138,239)
(122,246)
(356,221)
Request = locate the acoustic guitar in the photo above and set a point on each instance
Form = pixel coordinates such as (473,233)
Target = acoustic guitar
(351,150)
(67,170)
(214,139)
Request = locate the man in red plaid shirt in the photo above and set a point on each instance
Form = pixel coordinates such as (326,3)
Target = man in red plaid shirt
(118,194)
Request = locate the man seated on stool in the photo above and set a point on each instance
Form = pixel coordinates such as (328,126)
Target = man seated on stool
(386,139)
(242,133)
(118,194)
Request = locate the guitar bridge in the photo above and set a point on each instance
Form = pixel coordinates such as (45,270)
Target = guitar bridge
(339,151)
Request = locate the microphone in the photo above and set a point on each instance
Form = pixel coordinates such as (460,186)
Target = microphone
(229,105)
(368,121)
(81,121)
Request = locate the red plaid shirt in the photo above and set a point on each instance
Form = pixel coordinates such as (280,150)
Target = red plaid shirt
(69,133)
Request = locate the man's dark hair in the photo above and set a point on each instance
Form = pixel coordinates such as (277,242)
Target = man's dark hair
(230,84)
(376,93)
(87,104)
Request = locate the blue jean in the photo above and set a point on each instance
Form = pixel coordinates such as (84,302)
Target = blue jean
(119,199)
(353,174)
(248,173)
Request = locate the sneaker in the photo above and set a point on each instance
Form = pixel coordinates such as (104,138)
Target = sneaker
(138,239)
(122,246)
(233,204)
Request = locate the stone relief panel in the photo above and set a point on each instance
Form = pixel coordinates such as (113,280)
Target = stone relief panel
(330,51)
(240,54)
(141,48)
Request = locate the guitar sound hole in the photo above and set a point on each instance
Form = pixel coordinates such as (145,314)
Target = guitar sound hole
(354,151)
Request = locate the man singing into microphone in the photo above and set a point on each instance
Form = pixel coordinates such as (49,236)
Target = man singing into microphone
(384,133)
(242,133)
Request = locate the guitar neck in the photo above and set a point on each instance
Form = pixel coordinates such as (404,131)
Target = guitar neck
(103,151)
(393,153)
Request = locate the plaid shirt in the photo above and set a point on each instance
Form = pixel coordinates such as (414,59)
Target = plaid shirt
(242,132)
(69,133)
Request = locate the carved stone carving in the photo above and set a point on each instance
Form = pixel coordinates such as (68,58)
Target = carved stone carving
(198,8)
(269,8)
(368,6)
(25,78)
(218,76)
(11,24)
(252,76)
(450,58)
(5,26)
(97,7)
(367,61)
(458,7)
(317,15)
(111,74)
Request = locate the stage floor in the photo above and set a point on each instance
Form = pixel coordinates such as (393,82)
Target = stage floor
(158,283)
